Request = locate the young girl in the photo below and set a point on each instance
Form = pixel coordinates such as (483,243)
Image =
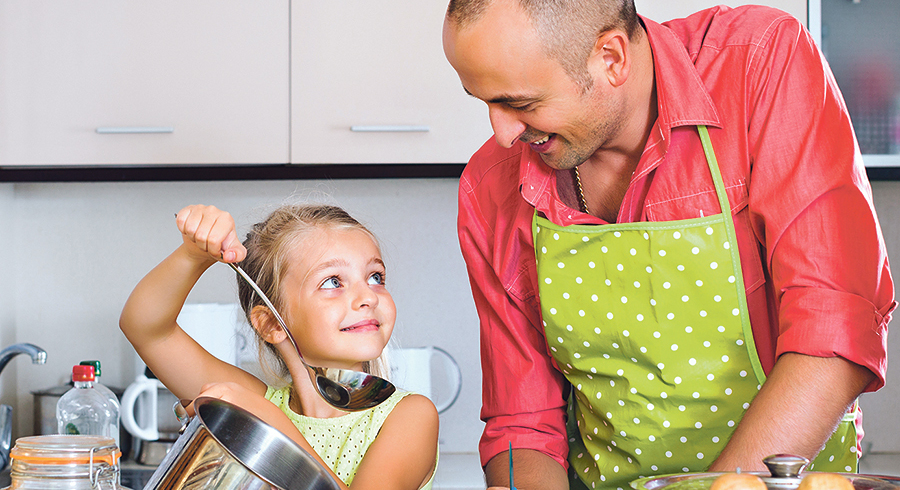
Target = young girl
(324,273)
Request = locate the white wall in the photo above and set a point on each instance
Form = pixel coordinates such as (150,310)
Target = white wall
(74,251)
(660,11)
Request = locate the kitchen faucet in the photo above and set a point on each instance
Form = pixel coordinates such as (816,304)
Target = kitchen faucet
(38,356)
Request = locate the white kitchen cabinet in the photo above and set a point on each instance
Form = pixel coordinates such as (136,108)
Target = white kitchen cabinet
(106,82)
(370,84)
(661,11)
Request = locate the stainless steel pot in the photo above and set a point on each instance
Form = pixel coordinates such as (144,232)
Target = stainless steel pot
(226,447)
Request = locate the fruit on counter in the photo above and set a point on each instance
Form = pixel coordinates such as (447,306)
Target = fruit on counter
(738,481)
(825,481)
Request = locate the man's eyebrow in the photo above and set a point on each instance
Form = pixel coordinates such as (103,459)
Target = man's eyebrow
(504,99)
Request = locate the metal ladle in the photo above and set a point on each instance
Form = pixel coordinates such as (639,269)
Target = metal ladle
(343,389)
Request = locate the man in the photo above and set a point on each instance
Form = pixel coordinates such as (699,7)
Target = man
(671,237)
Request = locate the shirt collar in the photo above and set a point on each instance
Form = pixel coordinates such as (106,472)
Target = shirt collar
(682,98)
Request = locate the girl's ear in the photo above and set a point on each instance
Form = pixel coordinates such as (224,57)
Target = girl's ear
(265,323)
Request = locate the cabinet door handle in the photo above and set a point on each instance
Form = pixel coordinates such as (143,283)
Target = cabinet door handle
(135,129)
(390,129)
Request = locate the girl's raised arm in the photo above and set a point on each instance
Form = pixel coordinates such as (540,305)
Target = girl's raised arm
(148,318)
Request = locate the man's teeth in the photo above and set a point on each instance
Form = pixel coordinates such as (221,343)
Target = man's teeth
(542,140)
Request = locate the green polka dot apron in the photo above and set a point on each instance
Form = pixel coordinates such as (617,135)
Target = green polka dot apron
(648,321)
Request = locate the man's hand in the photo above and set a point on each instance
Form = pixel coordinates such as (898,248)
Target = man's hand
(533,470)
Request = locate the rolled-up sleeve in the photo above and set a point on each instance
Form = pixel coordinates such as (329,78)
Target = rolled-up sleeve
(811,208)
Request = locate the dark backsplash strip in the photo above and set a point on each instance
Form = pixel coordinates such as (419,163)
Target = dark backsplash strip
(228,172)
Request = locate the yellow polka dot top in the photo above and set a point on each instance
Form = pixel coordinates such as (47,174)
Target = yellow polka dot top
(340,441)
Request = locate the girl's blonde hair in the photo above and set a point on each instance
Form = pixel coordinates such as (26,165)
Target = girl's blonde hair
(269,245)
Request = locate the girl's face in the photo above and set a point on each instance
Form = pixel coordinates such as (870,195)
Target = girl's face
(338,308)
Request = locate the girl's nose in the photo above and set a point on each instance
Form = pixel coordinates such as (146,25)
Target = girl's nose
(364,296)
(506,125)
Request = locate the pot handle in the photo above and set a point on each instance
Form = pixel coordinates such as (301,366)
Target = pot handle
(141,385)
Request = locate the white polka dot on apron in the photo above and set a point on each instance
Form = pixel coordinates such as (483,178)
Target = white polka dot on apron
(599,395)
(717,298)
(715,439)
(706,343)
(604,249)
(556,236)
(569,328)
(692,361)
(699,455)
(643,350)
(650,376)
(713,408)
(625,333)
(739,341)
(552,311)
(609,315)
(581,313)
(728,391)
(617,234)
(594,297)
(688,329)
(685,298)
(624,299)
(650,407)
(543,250)
(662,253)
(578,280)
(620,372)
(649,269)
(652,302)
(709,230)
(633,252)
(710,376)
(731,423)
(703,313)
(656,334)
(577,355)
(661,366)
(585,239)
(681,268)
(683,440)
(746,405)
(671,316)
(637,451)
(651,438)
(587,344)
(674,346)
(713,265)
(677,380)
(677,234)
(721,329)
(695,250)
(666,424)
(592,265)
(668,454)
(608,282)
(640,317)
(573,251)
(620,267)
(696,394)
(667,285)
(548,280)
(731,279)
(566,295)
(743,374)
(559,339)
(726,245)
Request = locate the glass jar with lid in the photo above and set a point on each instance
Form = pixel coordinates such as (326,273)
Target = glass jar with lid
(70,462)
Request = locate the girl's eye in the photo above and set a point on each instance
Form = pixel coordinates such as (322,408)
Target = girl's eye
(376,279)
(331,283)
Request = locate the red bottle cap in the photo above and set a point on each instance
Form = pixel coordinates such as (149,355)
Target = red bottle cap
(82,373)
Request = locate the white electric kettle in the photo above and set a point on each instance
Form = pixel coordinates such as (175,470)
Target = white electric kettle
(411,370)
(146,409)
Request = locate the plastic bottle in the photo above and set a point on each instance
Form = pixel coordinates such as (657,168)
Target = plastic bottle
(113,399)
(83,410)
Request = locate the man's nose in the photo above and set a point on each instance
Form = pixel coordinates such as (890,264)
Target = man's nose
(506,125)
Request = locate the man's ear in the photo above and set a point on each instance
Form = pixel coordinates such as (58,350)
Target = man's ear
(611,57)
(265,323)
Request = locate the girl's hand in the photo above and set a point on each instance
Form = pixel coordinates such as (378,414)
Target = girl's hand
(209,233)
